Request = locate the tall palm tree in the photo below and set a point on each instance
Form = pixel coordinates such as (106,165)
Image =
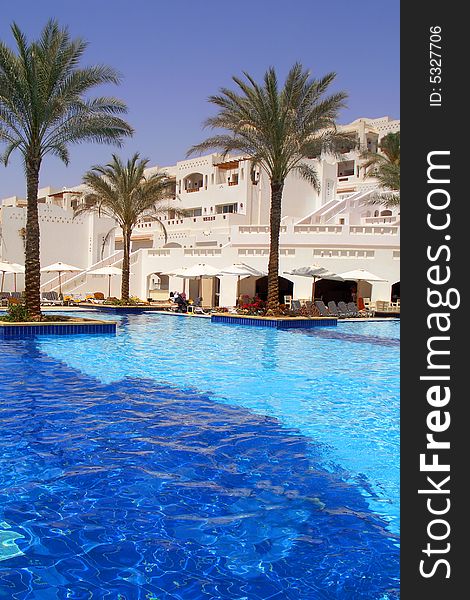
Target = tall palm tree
(278,129)
(44,108)
(385,167)
(124,193)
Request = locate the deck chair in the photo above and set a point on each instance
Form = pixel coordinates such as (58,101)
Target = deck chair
(98,298)
(382,306)
(4,298)
(344,310)
(333,309)
(295,305)
(353,309)
(51,299)
(369,307)
(322,309)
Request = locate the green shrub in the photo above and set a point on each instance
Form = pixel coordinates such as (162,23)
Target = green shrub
(17,313)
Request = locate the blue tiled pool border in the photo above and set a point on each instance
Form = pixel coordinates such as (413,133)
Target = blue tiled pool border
(17,331)
(274,323)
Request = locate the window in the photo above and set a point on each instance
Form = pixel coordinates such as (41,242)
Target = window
(194,212)
(226,208)
(346,168)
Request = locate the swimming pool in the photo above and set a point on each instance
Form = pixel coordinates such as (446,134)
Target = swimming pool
(184,459)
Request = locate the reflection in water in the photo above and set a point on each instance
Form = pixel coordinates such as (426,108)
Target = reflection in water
(140,488)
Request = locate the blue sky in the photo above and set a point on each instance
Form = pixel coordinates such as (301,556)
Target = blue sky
(173,55)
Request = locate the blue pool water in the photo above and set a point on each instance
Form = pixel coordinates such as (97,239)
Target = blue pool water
(183,459)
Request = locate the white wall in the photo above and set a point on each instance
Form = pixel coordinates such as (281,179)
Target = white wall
(62,238)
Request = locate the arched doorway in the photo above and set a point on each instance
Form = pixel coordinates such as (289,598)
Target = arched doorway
(158,286)
(395,293)
(328,289)
(286,288)
(193,182)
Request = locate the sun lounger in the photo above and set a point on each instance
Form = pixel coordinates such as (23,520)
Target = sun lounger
(369,307)
(382,306)
(343,309)
(98,298)
(354,310)
(51,299)
(76,298)
(365,312)
(322,309)
(295,305)
(333,309)
(4,298)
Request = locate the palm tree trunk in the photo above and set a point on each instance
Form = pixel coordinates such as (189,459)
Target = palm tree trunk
(125,264)
(273,265)
(32,256)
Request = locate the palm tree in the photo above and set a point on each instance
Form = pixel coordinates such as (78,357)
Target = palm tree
(385,167)
(278,129)
(123,192)
(44,108)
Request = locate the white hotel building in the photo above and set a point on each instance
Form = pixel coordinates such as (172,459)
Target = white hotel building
(226,202)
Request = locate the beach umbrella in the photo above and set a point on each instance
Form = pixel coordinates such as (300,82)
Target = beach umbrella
(316,272)
(177,273)
(242,270)
(60,267)
(360,275)
(5,268)
(109,271)
(18,270)
(199,271)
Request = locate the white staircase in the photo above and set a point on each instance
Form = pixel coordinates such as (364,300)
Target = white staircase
(72,281)
(328,211)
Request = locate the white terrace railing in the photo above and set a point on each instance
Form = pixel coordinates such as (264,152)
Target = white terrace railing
(374,229)
(318,228)
(258,228)
(202,251)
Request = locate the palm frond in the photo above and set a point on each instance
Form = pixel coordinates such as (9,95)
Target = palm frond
(385,167)
(308,173)
(276,126)
(44,96)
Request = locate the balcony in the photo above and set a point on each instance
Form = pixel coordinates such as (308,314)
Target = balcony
(374,230)
(318,229)
(259,229)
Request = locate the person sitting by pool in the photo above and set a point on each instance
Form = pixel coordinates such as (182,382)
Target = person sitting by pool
(181,302)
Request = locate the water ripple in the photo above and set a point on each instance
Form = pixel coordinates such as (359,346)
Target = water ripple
(136,489)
